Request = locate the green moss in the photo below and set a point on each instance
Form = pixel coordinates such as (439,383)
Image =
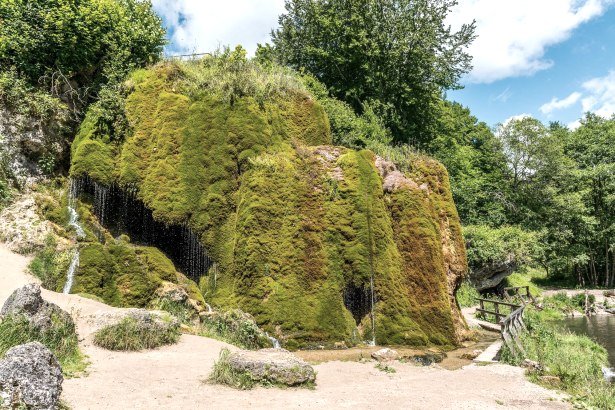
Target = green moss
(291,228)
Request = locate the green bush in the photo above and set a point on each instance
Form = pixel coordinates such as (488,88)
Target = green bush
(467,294)
(61,339)
(576,360)
(234,327)
(131,335)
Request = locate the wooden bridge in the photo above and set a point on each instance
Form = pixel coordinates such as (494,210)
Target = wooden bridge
(509,316)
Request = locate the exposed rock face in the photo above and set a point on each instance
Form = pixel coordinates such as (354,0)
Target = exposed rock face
(491,275)
(156,320)
(22,228)
(273,365)
(30,376)
(385,355)
(312,240)
(27,301)
(26,137)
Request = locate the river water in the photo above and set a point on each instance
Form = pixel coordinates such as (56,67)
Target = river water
(600,328)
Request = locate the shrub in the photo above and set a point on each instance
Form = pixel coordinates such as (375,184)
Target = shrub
(467,294)
(50,266)
(234,327)
(132,335)
(61,339)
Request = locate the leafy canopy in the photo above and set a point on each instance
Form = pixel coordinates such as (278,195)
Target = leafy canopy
(76,46)
(396,55)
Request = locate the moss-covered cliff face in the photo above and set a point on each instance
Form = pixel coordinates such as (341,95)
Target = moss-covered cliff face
(301,231)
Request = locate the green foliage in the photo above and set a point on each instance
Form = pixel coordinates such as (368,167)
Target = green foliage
(386,368)
(467,294)
(506,245)
(95,42)
(234,327)
(526,277)
(576,360)
(396,56)
(223,373)
(50,266)
(131,335)
(61,339)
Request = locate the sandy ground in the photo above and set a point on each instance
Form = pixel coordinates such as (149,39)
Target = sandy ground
(173,377)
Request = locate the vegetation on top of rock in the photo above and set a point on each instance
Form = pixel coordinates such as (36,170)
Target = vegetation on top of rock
(298,229)
(138,332)
(234,327)
(26,317)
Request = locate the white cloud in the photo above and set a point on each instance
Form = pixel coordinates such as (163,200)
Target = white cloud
(556,104)
(203,25)
(513,35)
(516,117)
(600,97)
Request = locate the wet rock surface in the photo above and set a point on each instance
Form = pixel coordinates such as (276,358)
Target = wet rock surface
(273,365)
(30,377)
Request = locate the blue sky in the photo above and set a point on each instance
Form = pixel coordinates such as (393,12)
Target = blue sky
(552,59)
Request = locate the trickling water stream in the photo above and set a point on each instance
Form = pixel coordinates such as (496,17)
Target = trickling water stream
(70,275)
(73,220)
(121,212)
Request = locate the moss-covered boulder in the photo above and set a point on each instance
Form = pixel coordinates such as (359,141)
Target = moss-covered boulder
(310,239)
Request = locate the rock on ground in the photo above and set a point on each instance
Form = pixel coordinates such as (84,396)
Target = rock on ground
(385,355)
(30,375)
(273,365)
(28,302)
(157,320)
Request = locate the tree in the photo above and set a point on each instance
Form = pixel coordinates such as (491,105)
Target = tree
(396,55)
(74,47)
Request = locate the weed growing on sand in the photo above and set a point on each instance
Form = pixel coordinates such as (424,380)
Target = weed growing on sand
(571,362)
(383,367)
(223,373)
(60,338)
(130,335)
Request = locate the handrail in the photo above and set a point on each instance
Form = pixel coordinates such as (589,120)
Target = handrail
(511,324)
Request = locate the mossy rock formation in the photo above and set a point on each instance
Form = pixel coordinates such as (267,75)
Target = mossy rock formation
(299,229)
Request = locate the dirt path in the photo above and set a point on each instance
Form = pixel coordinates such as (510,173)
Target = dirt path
(172,377)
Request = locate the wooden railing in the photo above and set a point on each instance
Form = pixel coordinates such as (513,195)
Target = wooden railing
(522,292)
(511,322)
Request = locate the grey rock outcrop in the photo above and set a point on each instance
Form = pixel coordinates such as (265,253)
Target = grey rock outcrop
(21,227)
(30,376)
(385,355)
(490,275)
(273,365)
(28,302)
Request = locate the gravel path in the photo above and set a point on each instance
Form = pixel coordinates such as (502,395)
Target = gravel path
(173,377)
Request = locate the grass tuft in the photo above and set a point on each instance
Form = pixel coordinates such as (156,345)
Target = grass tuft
(130,335)
(223,373)
(61,339)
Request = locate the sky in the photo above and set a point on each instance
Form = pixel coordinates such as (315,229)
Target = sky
(551,59)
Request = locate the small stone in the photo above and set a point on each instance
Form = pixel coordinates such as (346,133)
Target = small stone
(273,365)
(30,377)
(385,355)
(531,365)
(551,380)
(472,355)
(429,358)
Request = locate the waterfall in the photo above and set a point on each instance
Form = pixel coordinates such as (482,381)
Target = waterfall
(73,216)
(209,309)
(609,374)
(275,342)
(73,220)
(371,282)
(70,276)
(121,211)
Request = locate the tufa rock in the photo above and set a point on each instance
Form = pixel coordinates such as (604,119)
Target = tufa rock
(28,302)
(30,377)
(385,355)
(273,365)
(471,355)
(22,228)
